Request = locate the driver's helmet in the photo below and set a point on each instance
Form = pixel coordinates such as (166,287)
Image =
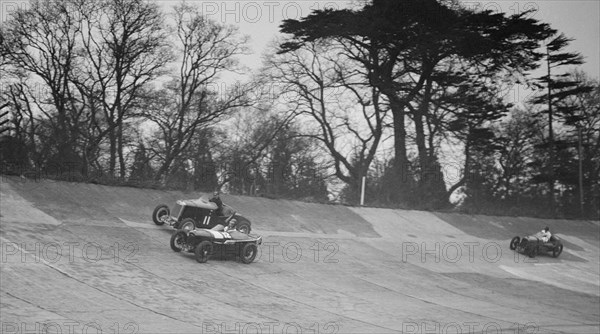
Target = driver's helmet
(232,222)
(547,229)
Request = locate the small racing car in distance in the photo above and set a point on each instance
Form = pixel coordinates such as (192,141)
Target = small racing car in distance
(205,242)
(197,213)
(532,245)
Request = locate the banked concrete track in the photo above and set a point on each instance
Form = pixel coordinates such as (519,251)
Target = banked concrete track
(79,258)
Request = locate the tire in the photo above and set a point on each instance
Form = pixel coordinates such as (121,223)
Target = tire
(202,251)
(524,244)
(533,251)
(557,250)
(514,243)
(187,224)
(177,240)
(248,253)
(159,211)
(243,227)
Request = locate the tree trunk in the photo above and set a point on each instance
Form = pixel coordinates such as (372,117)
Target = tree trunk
(466,175)
(162,171)
(401,164)
(120,151)
(550,140)
(426,163)
(113,152)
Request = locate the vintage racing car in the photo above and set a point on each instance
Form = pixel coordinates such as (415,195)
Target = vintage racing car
(533,245)
(205,242)
(197,213)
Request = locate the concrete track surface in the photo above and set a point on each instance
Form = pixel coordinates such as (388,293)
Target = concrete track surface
(84,258)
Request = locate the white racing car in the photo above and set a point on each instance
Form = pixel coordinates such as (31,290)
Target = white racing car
(205,242)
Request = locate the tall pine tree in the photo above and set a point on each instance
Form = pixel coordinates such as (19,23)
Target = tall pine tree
(555,88)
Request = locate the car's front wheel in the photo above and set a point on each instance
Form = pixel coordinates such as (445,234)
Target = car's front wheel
(187,224)
(178,240)
(514,243)
(557,250)
(160,211)
(533,251)
(202,251)
(248,253)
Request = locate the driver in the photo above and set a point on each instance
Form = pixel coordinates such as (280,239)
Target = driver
(231,222)
(217,200)
(231,226)
(544,234)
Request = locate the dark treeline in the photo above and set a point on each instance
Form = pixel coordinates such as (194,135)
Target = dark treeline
(410,94)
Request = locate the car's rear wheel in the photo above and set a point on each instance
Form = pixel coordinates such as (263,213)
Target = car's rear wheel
(557,250)
(514,243)
(248,253)
(178,240)
(160,211)
(187,224)
(202,251)
(243,227)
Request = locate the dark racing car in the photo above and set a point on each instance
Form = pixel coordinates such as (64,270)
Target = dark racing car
(204,242)
(197,213)
(533,245)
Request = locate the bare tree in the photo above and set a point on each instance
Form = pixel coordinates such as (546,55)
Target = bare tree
(345,115)
(243,155)
(124,44)
(41,40)
(189,101)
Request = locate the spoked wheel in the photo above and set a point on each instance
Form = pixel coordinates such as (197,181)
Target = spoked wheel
(248,253)
(514,243)
(202,251)
(557,250)
(160,211)
(187,224)
(178,241)
(244,228)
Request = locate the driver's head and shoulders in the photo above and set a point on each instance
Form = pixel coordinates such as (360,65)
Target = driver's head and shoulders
(543,234)
(231,226)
